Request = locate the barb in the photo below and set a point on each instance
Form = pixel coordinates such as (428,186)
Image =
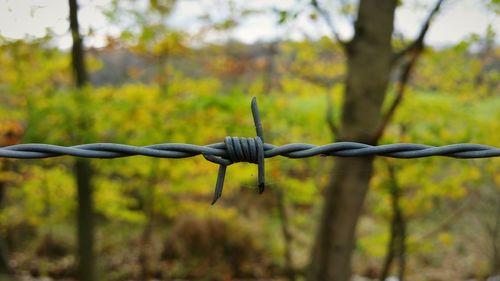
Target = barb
(252,150)
(241,150)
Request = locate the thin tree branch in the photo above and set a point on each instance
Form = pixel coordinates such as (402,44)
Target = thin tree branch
(412,53)
(329,22)
(446,222)
(329,116)
(400,90)
(397,242)
(287,235)
(321,81)
(418,43)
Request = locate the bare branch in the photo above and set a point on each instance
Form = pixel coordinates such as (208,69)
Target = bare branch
(455,214)
(401,84)
(418,43)
(321,81)
(411,53)
(329,22)
(398,236)
(329,116)
(287,234)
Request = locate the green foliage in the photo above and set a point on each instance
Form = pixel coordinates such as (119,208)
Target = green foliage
(494,5)
(452,98)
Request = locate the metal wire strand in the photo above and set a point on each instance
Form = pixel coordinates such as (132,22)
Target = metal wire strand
(252,150)
(219,150)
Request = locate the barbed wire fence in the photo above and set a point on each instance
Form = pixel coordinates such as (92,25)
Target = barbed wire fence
(251,150)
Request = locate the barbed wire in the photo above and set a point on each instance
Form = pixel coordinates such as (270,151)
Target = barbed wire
(292,150)
(252,150)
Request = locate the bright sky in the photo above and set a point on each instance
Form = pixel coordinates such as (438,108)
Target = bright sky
(459,18)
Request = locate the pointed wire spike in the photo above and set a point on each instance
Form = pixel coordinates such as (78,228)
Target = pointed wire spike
(261,188)
(260,163)
(219,185)
(215,198)
(256,119)
(260,134)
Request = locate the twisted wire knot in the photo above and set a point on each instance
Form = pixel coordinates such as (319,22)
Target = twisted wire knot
(240,149)
(244,149)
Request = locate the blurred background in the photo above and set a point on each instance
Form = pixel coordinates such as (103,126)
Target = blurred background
(153,71)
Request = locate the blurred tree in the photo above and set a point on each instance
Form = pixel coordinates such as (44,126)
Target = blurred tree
(82,167)
(397,239)
(486,54)
(370,60)
(10,133)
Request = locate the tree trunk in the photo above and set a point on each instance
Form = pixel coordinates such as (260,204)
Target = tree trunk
(287,235)
(77,53)
(495,239)
(269,74)
(397,241)
(82,167)
(146,255)
(5,270)
(85,220)
(369,57)
(391,252)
